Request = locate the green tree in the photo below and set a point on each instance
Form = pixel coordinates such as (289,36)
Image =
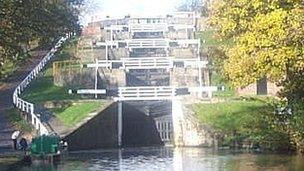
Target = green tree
(23,21)
(268,41)
(268,38)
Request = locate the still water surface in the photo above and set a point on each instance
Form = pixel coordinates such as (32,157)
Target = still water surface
(167,158)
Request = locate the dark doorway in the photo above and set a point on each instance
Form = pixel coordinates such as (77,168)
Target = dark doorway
(262,86)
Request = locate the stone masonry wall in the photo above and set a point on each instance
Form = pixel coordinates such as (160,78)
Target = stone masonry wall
(272,89)
(184,77)
(112,78)
(187,129)
(75,78)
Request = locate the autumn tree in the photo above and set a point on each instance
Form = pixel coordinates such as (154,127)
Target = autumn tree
(268,42)
(268,38)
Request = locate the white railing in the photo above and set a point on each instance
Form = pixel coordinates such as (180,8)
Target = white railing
(148,27)
(146,63)
(152,27)
(147,43)
(159,92)
(27,106)
(149,63)
(145,93)
(151,43)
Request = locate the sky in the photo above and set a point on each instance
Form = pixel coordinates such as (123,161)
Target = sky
(117,8)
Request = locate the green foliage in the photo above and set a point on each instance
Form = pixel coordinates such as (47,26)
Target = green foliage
(7,69)
(268,38)
(215,55)
(217,79)
(227,93)
(210,38)
(250,119)
(23,21)
(43,89)
(14,116)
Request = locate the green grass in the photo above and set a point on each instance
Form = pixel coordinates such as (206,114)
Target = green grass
(14,116)
(227,93)
(75,112)
(43,89)
(233,114)
(250,119)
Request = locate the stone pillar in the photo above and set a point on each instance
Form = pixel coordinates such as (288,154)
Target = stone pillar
(177,119)
(119,124)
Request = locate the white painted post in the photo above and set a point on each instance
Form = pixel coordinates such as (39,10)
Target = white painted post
(106,51)
(119,124)
(96,72)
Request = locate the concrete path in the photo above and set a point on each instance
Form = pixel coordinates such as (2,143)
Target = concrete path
(6,92)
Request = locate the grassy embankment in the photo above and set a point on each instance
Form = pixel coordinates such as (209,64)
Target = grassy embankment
(241,119)
(248,120)
(43,90)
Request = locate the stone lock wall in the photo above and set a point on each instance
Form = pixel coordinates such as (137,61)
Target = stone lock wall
(187,129)
(72,75)
(184,77)
(113,78)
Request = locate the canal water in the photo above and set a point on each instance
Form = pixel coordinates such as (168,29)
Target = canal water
(167,158)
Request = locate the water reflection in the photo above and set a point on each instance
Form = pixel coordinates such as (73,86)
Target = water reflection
(174,159)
